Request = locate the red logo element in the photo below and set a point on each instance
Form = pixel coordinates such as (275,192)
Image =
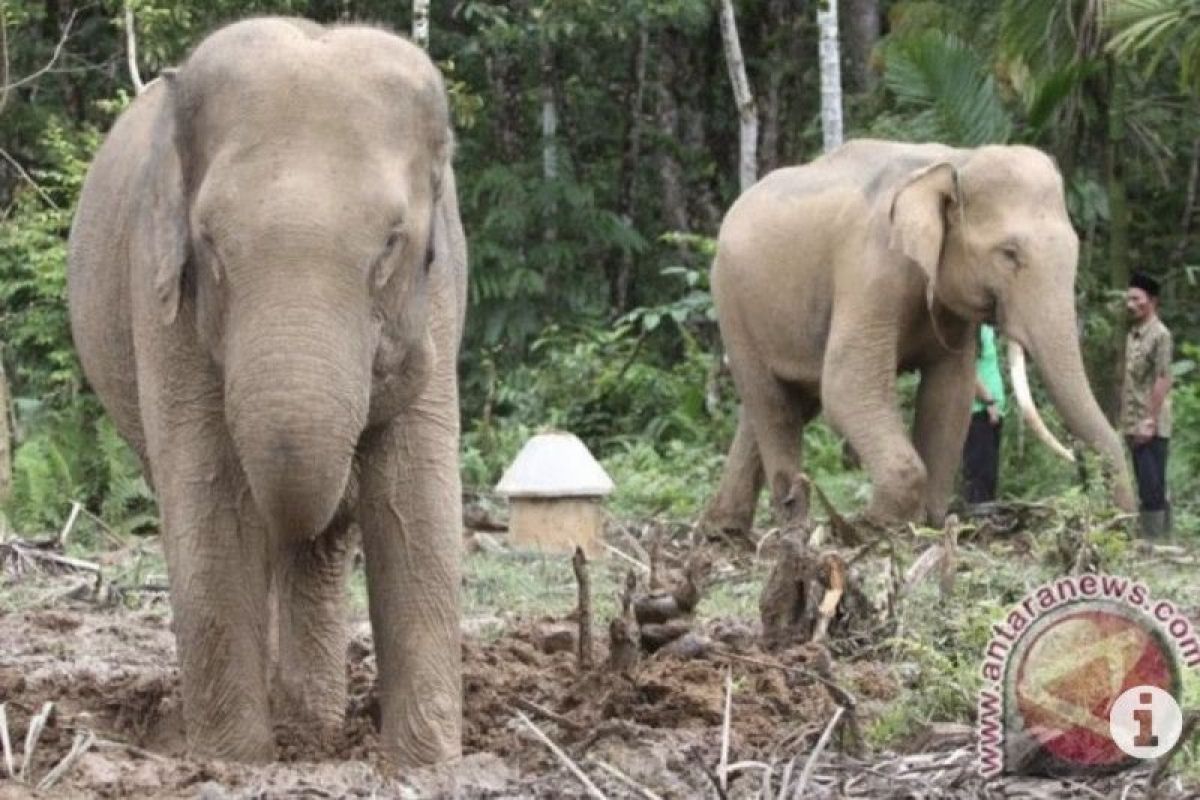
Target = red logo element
(1065,674)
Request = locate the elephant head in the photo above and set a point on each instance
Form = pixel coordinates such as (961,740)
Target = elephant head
(990,230)
(294,224)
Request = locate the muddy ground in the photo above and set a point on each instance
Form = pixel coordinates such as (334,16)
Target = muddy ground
(107,665)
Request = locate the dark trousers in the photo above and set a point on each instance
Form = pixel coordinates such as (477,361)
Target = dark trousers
(981,459)
(1150,469)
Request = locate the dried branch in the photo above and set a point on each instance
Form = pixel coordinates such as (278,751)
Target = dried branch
(76,507)
(83,742)
(6,743)
(4,90)
(26,177)
(839,695)
(584,646)
(623,555)
(625,779)
(806,774)
(564,758)
(722,770)
(31,738)
(545,713)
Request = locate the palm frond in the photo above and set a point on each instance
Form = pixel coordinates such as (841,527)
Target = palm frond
(949,83)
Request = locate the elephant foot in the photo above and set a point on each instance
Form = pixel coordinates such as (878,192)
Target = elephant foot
(307,710)
(249,742)
(423,730)
(790,499)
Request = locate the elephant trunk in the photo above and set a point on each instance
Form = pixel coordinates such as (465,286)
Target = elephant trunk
(1057,354)
(296,400)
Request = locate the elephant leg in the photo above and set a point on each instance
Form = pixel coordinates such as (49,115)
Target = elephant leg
(732,509)
(777,415)
(411,518)
(216,550)
(310,672)
(858,392)
(940,427)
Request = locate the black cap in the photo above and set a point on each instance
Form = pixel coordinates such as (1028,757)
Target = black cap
(1142,281)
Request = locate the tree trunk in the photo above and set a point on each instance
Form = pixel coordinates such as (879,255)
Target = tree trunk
(1114,174)
(420,29)
(775,32)
(674,198)
(743,97)
(863,28)
(630,163)
(549,117)
(5,438)
(831,76)
(135,76)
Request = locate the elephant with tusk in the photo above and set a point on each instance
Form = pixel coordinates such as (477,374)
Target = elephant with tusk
(880,257)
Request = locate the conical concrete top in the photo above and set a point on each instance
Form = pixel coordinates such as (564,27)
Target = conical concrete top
(555,464)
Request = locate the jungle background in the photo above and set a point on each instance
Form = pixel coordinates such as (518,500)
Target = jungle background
(597,148)
(590,242)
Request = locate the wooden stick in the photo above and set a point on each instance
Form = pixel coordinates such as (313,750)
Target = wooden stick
(6,743)
(31,738)
(840,696)
(787,778)
(625,779)
(545,713)
(724,766)
(564,758)
(129,748)
(36,554)
(76,507)
(622,554)
(829,603)
(812,758)
(83,742)
(655,580)
(584,646)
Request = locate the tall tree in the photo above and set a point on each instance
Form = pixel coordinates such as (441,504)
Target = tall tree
(831,75)
(742,96)
(863,27)
(420,25)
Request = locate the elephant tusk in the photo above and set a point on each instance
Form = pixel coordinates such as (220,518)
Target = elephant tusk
(1020,383)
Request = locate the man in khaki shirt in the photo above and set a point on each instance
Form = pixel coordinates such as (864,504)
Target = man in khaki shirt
(1146,402)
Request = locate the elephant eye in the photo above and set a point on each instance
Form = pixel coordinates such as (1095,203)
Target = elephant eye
(1011,253)
(394,237)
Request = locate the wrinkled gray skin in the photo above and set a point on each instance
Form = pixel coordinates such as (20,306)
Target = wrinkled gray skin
(832,277)
(267,284)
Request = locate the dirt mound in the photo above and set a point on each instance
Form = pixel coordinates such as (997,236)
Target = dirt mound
(112,672)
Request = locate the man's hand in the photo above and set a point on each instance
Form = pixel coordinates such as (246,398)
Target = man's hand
(993,415)
(1146,430)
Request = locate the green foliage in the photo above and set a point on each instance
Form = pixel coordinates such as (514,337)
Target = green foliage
(1157,30)
(945,80)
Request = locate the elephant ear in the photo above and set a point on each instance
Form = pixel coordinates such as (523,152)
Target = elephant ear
(449,244)
(165,236)
(918,218)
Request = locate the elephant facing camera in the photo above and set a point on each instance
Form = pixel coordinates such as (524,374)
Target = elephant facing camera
(267,284)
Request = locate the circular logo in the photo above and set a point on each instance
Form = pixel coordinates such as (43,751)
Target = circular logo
(1145,722)
(1063,682)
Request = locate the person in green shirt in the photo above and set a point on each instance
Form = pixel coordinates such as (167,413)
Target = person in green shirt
(981,453)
